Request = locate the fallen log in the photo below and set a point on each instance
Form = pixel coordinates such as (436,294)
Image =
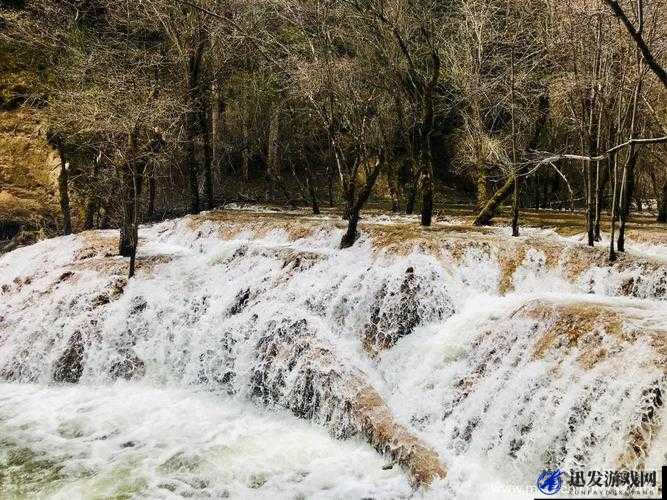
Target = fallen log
(378,425)
(296,370)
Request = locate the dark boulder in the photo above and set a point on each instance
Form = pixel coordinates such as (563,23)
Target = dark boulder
(129,366)
(69,366)
(401,305)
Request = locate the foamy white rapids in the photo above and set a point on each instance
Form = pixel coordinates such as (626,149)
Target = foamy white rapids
(223,368)
(128,439)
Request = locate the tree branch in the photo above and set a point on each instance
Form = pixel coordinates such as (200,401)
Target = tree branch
(639,142)
(239,29)
(639,40)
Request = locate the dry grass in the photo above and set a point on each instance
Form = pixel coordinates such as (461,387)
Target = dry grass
(233,222)
(571,325)
(99,253)
(95,244)
(509,262)
(624,324)
(447,242)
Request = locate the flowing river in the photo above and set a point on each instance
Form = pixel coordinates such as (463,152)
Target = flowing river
(229,366)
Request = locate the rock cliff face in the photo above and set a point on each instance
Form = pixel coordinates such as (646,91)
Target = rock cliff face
(28,175)
(28,165)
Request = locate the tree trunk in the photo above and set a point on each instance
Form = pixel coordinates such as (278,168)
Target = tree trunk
(330,188)
(482,188)
(590,205)
(639,41)
(272,150)
(245,155)
(93,201)
(131,182)
(350,235)
(488,212)
(515,174)
(394,191)
(136,188)
(515,208)
(662,205)
(63,189)
(425,143)
(89,216)
(311,191)
(193,181)
(627,185)
(593,134)
(544,192)
(91,209)
(208,156)
(601,185)
(349,189)
(151,197)
(535,189)
(273,164)
(427,193)
(125,241)
(613,163)
(354,207)
(193,99)
(630,186)
(412,192)
(217,122)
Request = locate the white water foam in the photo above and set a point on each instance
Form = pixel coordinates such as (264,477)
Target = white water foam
(195,322)
(130,439)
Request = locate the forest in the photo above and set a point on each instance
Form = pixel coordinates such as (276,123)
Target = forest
(160,108)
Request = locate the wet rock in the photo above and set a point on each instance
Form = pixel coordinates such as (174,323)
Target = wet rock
(240,301)
(100,300)
(239,253)
(74,428)
(65,276)
(10,372)
(217,364)
(296,370)
(128,367)
(112,292)
(399,309)
(69,366)
(298,261)
(181,462)
(256,481)
(168,486)
(139,305)
(643,433)
(278,355)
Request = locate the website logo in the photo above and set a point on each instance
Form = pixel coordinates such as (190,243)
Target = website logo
(550,482)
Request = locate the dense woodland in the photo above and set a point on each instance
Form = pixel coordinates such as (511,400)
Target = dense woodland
(162,107)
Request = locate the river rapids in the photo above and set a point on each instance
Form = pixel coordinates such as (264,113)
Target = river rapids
(251,358)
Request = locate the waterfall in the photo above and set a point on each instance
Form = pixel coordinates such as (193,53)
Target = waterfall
(255,358)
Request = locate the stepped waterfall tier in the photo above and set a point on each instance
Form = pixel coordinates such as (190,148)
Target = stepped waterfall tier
(250,357)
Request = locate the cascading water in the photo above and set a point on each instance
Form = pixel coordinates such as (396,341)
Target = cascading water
(240,351)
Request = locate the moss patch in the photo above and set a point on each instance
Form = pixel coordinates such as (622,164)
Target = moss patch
(25,472)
